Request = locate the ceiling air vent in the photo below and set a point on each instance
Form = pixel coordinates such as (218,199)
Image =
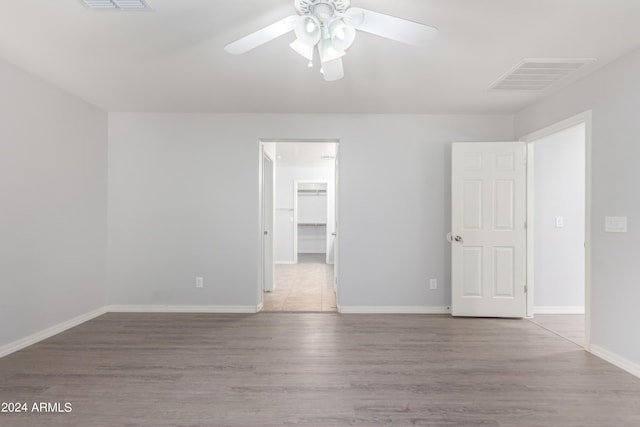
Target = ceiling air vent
(538,74)
(117,4)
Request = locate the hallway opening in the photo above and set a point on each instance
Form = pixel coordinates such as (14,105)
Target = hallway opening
(303,226)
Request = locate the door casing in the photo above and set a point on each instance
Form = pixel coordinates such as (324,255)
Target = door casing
(337,259)
(586,118)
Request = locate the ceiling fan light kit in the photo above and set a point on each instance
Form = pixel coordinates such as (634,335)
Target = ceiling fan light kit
(303,49)
(342,35)
(308,30)
(328,27)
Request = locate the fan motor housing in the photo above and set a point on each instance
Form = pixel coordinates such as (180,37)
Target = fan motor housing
(307,7)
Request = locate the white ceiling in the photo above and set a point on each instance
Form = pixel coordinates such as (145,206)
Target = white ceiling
(172,59)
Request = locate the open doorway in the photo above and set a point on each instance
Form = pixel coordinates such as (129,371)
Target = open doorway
(304,227)
(558,229)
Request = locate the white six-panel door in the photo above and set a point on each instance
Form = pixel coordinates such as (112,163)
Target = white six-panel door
(488,229)
(268,282)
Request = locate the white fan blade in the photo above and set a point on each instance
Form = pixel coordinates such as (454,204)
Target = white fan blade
(333,70)
(390,27)
(262,36)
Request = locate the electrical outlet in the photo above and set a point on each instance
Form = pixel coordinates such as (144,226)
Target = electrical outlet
(433,284)
(199,282)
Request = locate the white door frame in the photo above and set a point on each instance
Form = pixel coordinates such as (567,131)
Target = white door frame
(336,260)
(530,139)
(336,225)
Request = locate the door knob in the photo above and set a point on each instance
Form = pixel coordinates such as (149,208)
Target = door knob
(458,238)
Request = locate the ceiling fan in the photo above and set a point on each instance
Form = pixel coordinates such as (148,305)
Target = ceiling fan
(327,28)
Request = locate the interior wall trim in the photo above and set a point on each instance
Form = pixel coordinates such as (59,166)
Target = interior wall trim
(27,341)
(359,309)
(617,360)
(541,309)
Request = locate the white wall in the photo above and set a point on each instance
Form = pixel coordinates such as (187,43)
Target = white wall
(183,202)
(559,170)
(53,196)
(613,95)
(285,178)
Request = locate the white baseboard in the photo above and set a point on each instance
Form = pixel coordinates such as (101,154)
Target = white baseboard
(571,309)
(182,309)
(17,345)
(617,360)
(355,309)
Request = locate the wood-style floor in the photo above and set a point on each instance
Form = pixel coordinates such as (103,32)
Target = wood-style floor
(315,369)
(305,286)
(569,326)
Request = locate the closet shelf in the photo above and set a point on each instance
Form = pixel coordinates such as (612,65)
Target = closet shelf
(312,192)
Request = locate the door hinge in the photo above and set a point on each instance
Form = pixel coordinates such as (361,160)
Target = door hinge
(525,224)
(526,289)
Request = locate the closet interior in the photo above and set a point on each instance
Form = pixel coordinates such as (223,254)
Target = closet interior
(312,218)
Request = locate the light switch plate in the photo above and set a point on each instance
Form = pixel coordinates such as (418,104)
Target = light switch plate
(615,224)
(559,222)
